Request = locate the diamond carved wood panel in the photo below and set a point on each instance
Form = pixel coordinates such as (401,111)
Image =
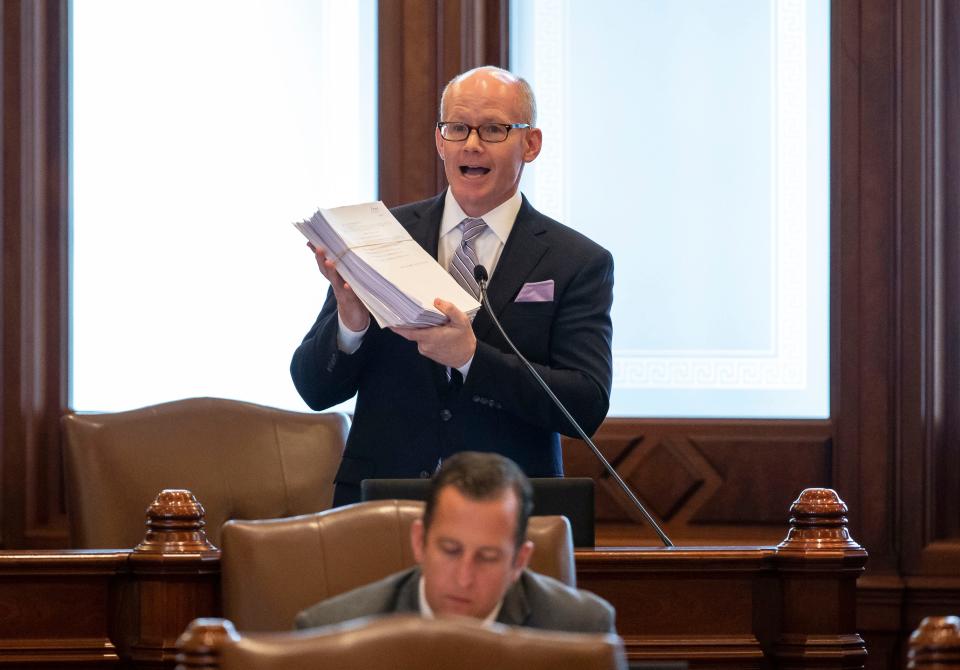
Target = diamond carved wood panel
(692,479)
(667,475)
(666,479)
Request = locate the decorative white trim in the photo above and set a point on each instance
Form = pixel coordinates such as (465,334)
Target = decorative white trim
(551,49)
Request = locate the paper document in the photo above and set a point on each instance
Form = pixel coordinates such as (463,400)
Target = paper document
(391,274)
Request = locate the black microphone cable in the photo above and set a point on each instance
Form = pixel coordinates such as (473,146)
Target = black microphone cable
(480,274)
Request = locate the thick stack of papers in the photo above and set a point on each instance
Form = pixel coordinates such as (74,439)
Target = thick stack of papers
(391,274)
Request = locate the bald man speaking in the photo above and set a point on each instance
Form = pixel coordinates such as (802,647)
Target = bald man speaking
(426,393)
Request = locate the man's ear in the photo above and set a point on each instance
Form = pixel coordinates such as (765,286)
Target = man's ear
(416,540)
(522,559)
(532,145)
(439,140)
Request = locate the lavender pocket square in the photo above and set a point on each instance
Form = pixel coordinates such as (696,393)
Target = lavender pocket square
(538,291)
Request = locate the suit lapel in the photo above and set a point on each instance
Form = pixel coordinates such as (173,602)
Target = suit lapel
(515,609)
(408,597)
(522,252)
(425,225)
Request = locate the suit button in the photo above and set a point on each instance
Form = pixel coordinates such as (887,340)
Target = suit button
(445,415)
(477,398)
(424,474)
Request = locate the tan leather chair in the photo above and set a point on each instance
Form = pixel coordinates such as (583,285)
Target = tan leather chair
(397,642)
(272,569)
(239,460)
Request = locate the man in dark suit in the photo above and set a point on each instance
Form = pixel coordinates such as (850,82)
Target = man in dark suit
(425,394)
(472,553)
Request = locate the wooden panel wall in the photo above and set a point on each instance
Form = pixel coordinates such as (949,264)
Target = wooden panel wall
(424,44)
(949,225)
(33,296)
(892,444)
(929,296)
(706,481)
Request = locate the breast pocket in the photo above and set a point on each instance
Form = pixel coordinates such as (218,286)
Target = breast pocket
(529,325)
(530,310)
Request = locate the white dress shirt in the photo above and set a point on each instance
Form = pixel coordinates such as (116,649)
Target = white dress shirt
(427,612)
(489,245)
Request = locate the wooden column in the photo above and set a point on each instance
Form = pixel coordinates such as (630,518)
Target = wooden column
(198,647)
(819,564)
(33,291)
(175,577)
(935,645)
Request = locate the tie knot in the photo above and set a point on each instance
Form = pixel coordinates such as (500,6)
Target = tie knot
(471,228)
(465,260)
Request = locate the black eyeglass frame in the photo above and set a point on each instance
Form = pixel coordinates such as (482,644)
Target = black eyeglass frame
(506,126)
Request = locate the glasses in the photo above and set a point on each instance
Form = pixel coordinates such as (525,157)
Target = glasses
(454,131)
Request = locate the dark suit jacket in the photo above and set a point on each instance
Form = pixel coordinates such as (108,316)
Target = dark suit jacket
(535,601)
(408,416)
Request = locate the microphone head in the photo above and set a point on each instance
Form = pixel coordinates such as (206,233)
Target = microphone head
(479,273)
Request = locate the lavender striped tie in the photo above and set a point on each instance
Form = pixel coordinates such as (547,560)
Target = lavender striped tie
(463,262)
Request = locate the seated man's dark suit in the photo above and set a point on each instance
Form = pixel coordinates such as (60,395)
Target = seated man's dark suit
(534,601)
(408,415)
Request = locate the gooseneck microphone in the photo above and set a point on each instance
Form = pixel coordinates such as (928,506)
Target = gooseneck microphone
(480,274)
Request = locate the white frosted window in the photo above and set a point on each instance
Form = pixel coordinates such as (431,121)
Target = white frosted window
(200,131)
(692,140)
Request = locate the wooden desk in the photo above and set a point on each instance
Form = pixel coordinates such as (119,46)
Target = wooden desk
(57,608)
(789,606)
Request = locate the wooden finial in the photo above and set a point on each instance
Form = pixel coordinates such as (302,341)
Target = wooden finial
(935,644)
(198,648)
(175,524)
(818,523)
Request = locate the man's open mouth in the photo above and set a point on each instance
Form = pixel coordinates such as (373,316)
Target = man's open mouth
(473,171)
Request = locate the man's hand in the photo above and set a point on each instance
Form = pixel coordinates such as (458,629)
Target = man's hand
(451,344)
(352,312)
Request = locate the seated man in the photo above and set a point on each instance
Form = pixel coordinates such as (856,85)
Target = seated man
(471,552)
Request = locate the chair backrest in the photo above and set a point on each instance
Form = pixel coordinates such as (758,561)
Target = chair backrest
(239,459)
(272,569)
(400,642)
(570,496)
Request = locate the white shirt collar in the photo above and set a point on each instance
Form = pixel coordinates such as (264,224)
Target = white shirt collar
(427,612)
(500,219)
